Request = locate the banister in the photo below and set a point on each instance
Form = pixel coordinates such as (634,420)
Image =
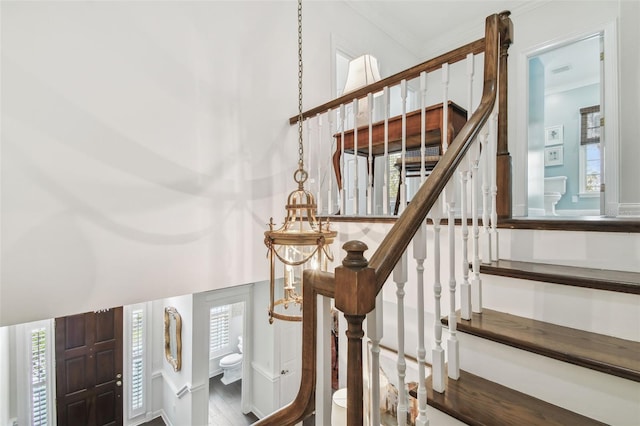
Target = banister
(368,278)
(315,283)
(396,241)
(451,57)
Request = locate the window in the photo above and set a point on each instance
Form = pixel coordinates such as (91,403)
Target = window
(219,318)
(137,360)
(35,380)
(39,376)
(590,151)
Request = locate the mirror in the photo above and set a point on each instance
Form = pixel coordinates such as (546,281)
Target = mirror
(173,337)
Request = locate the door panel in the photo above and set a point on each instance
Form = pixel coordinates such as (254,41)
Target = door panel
(89,368)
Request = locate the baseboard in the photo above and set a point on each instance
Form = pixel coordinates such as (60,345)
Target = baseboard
(629,209)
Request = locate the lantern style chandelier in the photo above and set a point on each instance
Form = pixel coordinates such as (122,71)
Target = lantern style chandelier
(302,242)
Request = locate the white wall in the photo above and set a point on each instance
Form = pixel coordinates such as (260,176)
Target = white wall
(146,144)
(178,410)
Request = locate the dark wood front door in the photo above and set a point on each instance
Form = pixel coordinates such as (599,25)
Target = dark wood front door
(89,369)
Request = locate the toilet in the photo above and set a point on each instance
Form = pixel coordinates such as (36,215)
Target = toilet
(232,365)
(554,189)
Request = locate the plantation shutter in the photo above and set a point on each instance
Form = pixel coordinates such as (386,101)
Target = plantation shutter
(137,360)
(39,377)
(218,328)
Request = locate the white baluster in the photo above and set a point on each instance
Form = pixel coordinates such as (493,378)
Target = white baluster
(420,254)
(323,360)
(476,282)
(470,73)
(330,205)
(465,287)
(385,188)
(445,110)
(486,166)
(343,194)
(453,356)
(374,331)
(437,353)
(370,168)
(493,125)
(403,174)
(423,125)
(400,278)
(356,184)
(450,196)
(318,163)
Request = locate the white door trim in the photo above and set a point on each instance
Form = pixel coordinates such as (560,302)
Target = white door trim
(610,105)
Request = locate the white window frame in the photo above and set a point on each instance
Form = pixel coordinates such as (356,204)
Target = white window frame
(129,359)
(582,170)
(224,311)
(582,164)
(24,377)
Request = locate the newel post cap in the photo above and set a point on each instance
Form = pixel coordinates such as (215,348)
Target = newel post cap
(355,281)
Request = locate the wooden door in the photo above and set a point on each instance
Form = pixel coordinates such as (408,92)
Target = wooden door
(89,369)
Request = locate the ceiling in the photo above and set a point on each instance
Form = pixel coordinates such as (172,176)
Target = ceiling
(416,24)
(424,27)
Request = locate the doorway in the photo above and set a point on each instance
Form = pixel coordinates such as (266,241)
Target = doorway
(89,368)
(565,142)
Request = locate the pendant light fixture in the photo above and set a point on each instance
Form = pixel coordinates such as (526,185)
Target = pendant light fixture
(302,242)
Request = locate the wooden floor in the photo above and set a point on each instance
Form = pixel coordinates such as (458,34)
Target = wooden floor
(224,404)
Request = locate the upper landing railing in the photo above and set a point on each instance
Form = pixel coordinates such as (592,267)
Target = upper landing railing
(476,155)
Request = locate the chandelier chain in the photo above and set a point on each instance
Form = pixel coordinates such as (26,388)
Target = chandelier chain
(301,174)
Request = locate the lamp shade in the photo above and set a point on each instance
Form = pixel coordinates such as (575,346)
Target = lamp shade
(363,71)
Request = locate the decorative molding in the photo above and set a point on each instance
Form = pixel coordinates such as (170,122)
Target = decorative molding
(629,209)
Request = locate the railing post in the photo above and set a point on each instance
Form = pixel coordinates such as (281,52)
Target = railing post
(355,297)
(503,160)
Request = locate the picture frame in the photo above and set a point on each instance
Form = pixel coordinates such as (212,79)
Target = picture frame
(173,337)
(554,156)
(554,135)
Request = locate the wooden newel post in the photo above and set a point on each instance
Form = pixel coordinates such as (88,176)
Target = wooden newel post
(503,164)
(355,296)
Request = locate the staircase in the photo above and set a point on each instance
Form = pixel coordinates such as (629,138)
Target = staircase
(554,344)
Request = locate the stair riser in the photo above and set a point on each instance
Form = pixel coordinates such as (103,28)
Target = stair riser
(598,311)
(603,250)
(600,396)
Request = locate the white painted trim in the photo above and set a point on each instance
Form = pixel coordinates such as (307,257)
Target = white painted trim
(23,357)
(226,296)
(629,209)
(126,367)
(264,372)
(610,109)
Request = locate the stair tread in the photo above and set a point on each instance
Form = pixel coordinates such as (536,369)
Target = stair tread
(602,279)
(606,354)
(477,401)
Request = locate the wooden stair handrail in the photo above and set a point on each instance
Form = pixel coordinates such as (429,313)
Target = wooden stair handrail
(396,241)
(361,281)
(315,283)
(451,57)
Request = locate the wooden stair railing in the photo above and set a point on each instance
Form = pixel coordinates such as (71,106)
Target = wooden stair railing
(357,282)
